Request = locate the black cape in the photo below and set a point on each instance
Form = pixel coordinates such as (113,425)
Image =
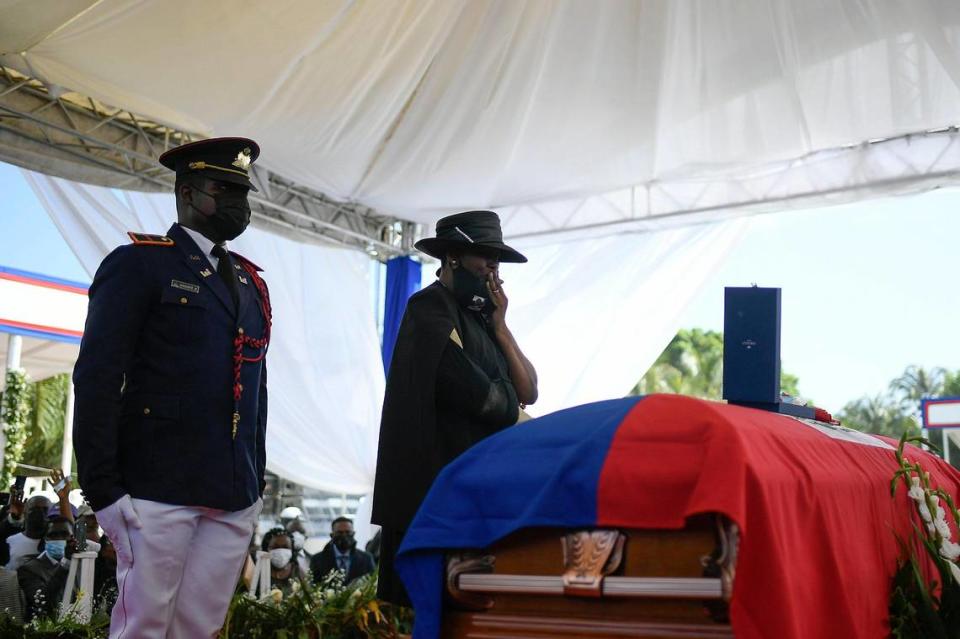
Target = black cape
(418,438)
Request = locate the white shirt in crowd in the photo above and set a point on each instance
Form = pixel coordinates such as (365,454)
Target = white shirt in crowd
(22,548)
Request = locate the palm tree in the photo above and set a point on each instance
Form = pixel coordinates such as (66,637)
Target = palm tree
(951,384)
(917,383)
(48,406)
(880,414)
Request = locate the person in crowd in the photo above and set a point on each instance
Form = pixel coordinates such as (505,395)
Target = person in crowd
(105,574)
(341,553)
(23,539)
(171,399)
(26,545)
(457,376)
(11,595)
(62,486)
(298,535)
(289,515)
(11,520)
(284,570)
(42,578)
(86,515)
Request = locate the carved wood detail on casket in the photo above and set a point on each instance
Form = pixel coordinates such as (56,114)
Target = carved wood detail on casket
(464,563)
(588,557)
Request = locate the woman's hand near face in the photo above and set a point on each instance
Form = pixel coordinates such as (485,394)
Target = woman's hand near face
(522,372)
(499,298)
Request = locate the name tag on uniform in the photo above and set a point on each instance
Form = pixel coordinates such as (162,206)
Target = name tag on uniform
(185,286)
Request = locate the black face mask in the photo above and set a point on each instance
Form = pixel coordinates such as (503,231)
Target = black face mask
(344,543)
(471,291)
(231,217)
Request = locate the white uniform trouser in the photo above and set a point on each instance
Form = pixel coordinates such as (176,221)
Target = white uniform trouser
(186,563)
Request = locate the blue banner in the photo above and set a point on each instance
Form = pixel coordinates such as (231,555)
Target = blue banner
(403,280)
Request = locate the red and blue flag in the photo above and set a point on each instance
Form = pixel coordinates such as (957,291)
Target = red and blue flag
(817,550)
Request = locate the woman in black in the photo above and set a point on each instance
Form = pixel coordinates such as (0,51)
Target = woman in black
(457,376)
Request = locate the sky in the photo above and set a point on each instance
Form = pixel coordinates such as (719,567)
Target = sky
(867,288)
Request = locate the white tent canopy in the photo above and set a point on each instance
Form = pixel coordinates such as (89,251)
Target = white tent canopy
(586,124)
(422,107)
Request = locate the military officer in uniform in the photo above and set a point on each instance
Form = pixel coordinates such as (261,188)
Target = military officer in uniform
(171,401)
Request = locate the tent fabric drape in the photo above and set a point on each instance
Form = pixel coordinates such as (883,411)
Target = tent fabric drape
(592,315)
(326,377)
(403,280)
(425,107)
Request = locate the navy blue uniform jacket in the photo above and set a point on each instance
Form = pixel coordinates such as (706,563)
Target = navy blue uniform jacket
(154,382)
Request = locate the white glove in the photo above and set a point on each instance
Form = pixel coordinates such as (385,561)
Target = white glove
(114,519)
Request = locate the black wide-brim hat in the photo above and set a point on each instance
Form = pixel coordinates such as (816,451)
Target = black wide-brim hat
(479,230)
(224,159)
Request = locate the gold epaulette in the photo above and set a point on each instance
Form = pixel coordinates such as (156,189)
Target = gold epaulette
(144,239)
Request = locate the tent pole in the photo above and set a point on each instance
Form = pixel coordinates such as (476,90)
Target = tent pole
(66,457)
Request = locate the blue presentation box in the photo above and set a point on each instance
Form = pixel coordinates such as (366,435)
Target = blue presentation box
(751,345)
(751,350)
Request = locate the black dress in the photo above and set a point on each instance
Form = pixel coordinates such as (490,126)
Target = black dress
(441,398)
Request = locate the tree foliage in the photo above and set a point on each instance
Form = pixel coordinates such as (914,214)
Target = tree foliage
(48,407)
(40,411)
(692,364)
(898,410)
(14,416)
(880,414)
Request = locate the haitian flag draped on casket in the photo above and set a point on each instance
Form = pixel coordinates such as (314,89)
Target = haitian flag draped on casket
(817,547)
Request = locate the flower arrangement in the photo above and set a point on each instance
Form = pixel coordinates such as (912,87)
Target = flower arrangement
(327,610)
(920,606)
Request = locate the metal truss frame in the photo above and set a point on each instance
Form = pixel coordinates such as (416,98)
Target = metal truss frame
(890,166)
(44,127)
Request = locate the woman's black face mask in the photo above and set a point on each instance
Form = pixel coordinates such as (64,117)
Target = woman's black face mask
(231,216)
(471,291)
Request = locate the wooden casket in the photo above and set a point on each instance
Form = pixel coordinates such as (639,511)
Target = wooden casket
(604,583)
(616,519)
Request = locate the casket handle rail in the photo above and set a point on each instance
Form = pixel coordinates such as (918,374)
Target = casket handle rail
(591,556)
(459,564)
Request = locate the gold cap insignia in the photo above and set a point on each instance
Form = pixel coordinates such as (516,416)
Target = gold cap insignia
(243,160)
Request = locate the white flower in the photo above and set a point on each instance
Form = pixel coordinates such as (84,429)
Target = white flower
(942,528)
(940,522)
(356,593)
(925,514)
(954,571)
(949,550)
(916,491)
(329,593)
